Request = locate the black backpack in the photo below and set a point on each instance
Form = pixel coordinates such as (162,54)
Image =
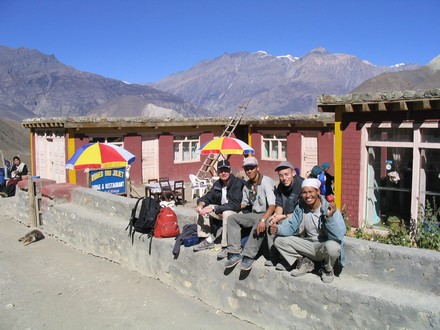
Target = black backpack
(145,221)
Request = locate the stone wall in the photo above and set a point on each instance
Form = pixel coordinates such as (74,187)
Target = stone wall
(382,286)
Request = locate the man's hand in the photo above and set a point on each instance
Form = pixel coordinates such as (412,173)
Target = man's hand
(273,229)
(276,218)
(331,209)
(261,228)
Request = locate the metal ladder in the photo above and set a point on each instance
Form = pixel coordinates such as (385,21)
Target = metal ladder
(208,165)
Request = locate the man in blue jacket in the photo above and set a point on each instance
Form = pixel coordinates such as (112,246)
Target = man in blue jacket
(314,232)
(216,206)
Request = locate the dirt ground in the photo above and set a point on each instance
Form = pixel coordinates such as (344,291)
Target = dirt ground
(48,285)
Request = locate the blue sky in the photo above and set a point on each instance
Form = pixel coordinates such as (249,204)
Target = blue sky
(146,40)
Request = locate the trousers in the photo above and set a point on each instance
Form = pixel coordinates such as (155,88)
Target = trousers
(294,247)
(235,224)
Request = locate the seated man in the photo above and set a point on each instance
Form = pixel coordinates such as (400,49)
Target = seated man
(287,196)
(314,232)
(215,207)
(18,170)
(258,193)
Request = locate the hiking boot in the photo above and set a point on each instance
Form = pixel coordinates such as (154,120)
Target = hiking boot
(327,277)
(305,265)
(246,263)
(233,259)
(223,253)
(270,263)
(203,246)
(283,266)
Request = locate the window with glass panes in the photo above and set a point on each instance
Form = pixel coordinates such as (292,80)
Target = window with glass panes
(274,146)
(403,169)
(185,148)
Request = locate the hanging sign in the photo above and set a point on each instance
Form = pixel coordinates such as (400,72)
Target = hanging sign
(111,180)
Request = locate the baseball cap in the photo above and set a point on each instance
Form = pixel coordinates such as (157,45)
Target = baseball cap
(250,161)
(223,164)
(283,165)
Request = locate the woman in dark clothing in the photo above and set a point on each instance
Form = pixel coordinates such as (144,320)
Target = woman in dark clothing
(18,170)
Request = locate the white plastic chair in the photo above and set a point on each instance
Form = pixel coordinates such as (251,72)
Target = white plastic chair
(198,186)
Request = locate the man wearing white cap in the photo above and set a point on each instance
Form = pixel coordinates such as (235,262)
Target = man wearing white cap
(314,232)
(258,194)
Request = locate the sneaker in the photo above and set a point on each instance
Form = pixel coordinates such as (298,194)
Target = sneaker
(223,253)
(3,194)
(269,263)
(327,277)
(203,246)
(233,259)
(305,265)
(246,263)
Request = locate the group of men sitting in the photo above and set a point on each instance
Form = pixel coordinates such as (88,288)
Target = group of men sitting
(301,228)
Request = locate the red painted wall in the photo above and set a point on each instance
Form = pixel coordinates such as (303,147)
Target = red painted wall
(133,143)
(326,147)
(294,152)
(351,155)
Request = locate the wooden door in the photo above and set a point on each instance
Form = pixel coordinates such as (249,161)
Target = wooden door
(309,148)
(150,158)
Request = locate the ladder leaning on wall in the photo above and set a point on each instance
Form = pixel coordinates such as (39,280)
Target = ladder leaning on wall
(210,161)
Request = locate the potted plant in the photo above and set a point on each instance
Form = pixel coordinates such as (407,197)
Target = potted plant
(393,222)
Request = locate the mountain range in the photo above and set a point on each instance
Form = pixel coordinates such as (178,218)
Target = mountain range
(276,85)
(33,84)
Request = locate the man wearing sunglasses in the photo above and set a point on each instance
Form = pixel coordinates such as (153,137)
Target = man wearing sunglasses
(259,197)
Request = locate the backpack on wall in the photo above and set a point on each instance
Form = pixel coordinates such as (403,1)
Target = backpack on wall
(146,220)
(166,224)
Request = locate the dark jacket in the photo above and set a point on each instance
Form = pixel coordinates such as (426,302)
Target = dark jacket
(234,194)
(288,197)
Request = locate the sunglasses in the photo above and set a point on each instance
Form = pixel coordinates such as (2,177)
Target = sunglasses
(249,168)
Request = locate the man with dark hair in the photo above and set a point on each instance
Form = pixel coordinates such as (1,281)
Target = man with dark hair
(18,170)
(258,195)
(314,232)
(216,206)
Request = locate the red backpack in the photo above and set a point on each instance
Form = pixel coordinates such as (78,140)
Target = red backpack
(166,224)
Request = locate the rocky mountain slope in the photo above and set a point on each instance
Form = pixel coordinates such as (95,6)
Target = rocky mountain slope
(275,85)
(427,77)
(35,84)
(14,140)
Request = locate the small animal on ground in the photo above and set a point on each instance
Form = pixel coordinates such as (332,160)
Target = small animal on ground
(32,236)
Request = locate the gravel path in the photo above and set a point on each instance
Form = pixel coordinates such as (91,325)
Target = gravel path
(48,285)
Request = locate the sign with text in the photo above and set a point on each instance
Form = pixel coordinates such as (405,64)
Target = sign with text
(111,180)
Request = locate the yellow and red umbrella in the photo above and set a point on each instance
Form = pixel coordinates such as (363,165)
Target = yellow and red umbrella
(100,155)
(225,146)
